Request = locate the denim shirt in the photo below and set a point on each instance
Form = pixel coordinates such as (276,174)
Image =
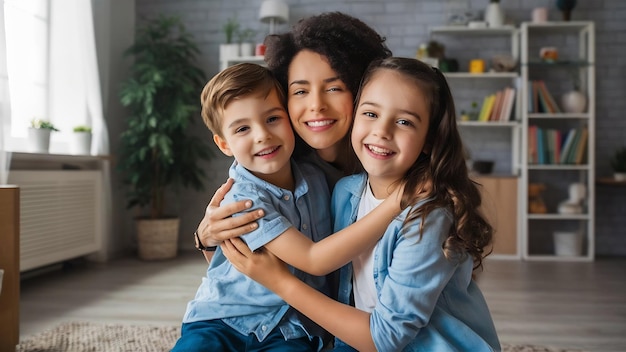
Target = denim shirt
(239,301)
(425,301)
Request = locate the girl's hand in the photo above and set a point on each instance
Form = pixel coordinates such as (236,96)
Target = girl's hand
(261,266)
(218,223)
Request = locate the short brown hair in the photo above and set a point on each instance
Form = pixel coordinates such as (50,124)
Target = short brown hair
(232,83)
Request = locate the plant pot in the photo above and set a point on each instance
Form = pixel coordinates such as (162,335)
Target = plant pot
(568,244)
(246,49)
(574,102)
(619,176)
(38,140)
(494,15)
(80,143)
(157,239)
(229,51)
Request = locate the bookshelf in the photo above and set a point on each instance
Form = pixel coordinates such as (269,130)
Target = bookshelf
(558,146)
(496,139)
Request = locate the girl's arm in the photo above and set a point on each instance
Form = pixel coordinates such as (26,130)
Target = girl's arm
(338,249)
(218,223)
(348,323)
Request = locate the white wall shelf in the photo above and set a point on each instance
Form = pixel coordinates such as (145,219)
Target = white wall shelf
(489,140)
(237,60)
(575,63)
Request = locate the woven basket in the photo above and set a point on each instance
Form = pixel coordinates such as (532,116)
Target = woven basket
(157,239)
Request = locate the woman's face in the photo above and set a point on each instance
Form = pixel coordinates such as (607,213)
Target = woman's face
(319,103)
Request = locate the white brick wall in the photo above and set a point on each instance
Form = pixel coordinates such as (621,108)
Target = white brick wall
(405,24)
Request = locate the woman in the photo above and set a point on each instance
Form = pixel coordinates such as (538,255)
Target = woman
(320,64)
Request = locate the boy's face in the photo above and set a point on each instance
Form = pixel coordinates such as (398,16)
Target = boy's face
(258,134)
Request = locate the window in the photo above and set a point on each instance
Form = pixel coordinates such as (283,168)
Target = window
(52,71)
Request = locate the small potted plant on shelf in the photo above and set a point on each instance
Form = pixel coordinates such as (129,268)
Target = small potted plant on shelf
(618,163)
(39,135)
(230,49)
(246,42)
(80,143)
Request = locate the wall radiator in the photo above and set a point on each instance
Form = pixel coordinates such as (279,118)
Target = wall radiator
(60,215)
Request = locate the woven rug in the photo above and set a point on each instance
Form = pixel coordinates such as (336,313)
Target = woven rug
(97,337)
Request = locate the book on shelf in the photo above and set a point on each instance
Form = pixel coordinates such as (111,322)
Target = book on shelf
(497,106)
(582,146)
(494,115)
(567,146)
(485,111)
(507,105)
(549,103)
(532,144)
(540,99)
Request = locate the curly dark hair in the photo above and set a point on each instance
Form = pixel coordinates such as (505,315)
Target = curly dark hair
(440,173)
(349,44)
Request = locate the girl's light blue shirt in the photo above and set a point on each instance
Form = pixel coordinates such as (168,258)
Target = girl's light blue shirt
(242,303)
(425,301)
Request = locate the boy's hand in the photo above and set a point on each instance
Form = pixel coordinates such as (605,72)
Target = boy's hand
(218,223)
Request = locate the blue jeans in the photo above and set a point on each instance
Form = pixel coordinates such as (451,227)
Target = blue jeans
(215,336)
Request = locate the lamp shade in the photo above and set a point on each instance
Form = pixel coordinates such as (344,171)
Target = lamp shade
(274,11)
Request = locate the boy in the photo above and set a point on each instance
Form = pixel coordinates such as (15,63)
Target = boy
(244,107)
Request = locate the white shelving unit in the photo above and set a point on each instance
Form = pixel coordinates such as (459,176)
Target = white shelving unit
(489,138)
(576,52)
(237,60)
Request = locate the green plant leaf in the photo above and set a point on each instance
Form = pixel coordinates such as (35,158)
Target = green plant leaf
(161,95)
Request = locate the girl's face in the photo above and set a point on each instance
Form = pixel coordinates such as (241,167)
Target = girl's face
(319,103)
(390,128)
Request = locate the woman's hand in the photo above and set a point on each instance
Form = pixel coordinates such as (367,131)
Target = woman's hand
(261,265)
(218,223)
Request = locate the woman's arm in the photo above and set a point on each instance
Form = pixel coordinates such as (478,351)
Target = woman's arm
(348,323)
(338,249)
(218,223)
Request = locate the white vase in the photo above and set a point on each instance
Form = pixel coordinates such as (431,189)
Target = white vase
(80,143)
(574,102)
(494,15)
(246,49)
(38,140)
(229,51)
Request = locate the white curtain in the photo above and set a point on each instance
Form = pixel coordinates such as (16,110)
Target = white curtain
(5,103)
(74,85)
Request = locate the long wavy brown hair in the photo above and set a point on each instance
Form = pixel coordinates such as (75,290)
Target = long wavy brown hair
(440,173)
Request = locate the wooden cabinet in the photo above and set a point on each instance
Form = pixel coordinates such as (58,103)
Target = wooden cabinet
(10,263)
(500,206)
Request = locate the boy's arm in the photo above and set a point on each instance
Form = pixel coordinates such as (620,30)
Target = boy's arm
(348,323)
(338,249)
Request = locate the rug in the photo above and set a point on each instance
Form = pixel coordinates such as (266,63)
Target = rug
(98,337)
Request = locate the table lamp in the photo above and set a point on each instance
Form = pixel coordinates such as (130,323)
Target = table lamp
(272,12)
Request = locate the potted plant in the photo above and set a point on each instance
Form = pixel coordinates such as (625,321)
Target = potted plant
(246,42)
(39,135)
(618,163)
(230,49)
(80,142)
(157,153)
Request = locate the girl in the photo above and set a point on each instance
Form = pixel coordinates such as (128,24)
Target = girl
(413,291)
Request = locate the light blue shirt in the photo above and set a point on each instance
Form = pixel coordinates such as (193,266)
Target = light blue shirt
(239,301)
(425,301)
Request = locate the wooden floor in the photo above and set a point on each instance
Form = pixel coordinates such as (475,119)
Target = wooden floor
(576,305)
